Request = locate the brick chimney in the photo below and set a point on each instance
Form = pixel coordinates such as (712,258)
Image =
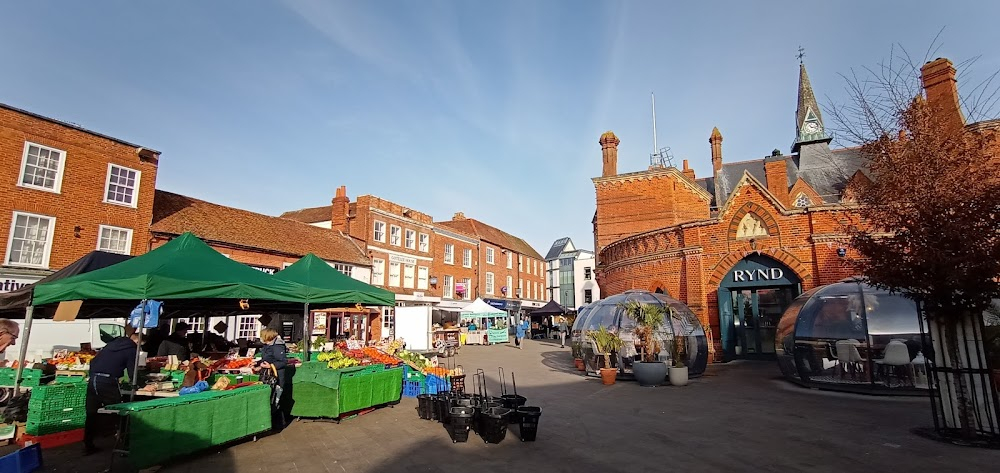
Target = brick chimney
(776,173)
(716,141)
(458,216)
(609,149)
(338,212)
(688,171)
(938,78)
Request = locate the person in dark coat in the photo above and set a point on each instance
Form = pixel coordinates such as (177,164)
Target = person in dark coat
(176,344)
(114,360)
(275,353)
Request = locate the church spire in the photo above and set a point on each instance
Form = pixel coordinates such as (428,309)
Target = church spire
(808,120)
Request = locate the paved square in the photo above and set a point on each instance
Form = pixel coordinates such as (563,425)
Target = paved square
(738,417)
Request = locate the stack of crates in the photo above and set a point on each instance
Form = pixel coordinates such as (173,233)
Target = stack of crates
(29,377)
(413,382)
(56,408)
(436,384)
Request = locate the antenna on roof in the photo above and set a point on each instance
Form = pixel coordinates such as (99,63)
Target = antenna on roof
(660,157)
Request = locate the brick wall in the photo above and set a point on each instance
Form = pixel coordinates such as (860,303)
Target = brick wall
(81,199)
(456,270)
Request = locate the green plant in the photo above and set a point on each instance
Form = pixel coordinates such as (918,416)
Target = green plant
(319,342)
(678,351)
(577,349)
(648,320)
(607,343)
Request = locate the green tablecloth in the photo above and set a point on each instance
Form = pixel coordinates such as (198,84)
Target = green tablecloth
(164,428)
(323,392)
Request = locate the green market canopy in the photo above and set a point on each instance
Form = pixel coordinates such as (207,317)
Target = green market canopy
(325,284)
(480,309)
(184,268)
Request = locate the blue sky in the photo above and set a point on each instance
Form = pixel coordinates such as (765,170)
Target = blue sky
(489,108)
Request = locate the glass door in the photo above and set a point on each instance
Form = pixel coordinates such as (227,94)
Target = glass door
(771,303)
(756,313)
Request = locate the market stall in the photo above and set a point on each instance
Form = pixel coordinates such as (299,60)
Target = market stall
(545,319)
(491,323)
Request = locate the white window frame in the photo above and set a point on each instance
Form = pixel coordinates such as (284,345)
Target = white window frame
(394,281)
(424,243)
(135,190)
(378,272)
(520,289)
(344,269)
(410,239)
(449,253)
(409,275)
(588,273)
(48,240)
(802,200)
(395,235)
(468,289)
(285,265)
(467,258)
(449,287)
(197,324)
(423,273)
(57,185)
(379,228)
(388,322)
(520,263)
(128,238)
(510,260)
(490,256)
(489,283)
(510,286)
(245,321)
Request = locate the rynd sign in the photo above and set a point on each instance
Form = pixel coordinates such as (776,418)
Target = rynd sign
(750,275)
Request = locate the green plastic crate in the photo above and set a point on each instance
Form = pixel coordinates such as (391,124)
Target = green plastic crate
(29,377)
(73,422)
(61,378)
(57,397)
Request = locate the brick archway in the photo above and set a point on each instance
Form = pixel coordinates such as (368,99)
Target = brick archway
(658,287)
(769,222)
(777,254)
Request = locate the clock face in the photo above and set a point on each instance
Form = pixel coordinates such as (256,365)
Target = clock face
(811,127)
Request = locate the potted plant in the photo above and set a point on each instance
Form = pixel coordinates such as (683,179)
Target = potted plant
(649,370)
(577,348)
(679,371)
(607,343)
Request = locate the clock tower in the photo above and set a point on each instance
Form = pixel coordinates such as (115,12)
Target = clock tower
(808,120)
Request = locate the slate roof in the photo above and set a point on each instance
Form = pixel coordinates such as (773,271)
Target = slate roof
(492,235)
(175,214)
(826,171)
(311,214)
(557,249)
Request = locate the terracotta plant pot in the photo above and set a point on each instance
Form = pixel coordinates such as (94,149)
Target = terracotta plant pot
(608,375)
(578,362)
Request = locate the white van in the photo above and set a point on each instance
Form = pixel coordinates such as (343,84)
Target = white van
(48,335)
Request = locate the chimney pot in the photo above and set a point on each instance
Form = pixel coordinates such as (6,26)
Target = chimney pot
(716,141)
(609,150)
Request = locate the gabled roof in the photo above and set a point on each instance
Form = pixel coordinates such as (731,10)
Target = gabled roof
(175,214)
(311,214)
(492,235)
(558,247)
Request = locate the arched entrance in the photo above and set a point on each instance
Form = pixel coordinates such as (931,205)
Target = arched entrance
(752,297)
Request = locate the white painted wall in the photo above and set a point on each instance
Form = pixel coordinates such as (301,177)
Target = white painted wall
(585,260)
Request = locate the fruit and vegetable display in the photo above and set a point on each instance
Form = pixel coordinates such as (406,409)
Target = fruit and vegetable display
(415,359)
(336,360)
(73,361)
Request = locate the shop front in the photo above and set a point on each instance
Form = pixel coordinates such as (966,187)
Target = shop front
(752,297)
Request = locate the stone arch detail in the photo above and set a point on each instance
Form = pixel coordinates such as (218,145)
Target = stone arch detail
(777,254)
(659,286)
(770,224)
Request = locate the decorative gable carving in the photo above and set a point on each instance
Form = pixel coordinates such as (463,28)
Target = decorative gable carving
(751,226)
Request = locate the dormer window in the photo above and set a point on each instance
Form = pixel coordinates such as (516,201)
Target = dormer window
(802,201)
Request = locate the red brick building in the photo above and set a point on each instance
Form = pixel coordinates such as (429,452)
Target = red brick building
(739,245)
(66,192)
(263,242)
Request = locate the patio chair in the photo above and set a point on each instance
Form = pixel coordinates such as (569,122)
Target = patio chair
(896,360)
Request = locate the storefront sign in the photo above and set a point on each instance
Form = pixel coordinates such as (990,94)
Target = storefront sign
(460,288)
(13,284)
(403,259)
(266,269)
(418,294)
(750,275)
(498,303)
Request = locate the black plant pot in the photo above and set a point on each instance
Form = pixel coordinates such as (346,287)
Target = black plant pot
(649,374)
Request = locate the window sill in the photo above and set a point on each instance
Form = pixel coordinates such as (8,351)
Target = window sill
(39,188)
(120,204)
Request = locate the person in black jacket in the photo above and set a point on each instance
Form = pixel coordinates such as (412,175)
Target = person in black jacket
(116,358)
(176,344)
(275,353)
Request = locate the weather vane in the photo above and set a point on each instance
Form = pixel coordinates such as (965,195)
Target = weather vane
(801,54)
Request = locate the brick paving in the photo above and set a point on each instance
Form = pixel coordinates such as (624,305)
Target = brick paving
(738,417)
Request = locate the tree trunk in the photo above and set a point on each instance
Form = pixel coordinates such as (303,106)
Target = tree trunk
(967,400)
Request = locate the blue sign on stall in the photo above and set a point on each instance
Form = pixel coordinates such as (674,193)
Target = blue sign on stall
(498,303)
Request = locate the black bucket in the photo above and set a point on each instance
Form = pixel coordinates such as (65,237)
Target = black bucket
(527,420)
(442,402)
(512,402)
(461,402)
(425,406)
(460,422)
(493,424)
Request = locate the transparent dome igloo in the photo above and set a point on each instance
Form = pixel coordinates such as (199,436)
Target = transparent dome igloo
(853,337)
(682,325)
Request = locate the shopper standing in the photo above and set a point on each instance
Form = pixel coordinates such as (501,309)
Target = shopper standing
(8,333)
(275,353)
(115,359)
(562,332)
(522,328)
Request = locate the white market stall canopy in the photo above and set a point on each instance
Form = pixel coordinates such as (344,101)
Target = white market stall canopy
(480,309)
